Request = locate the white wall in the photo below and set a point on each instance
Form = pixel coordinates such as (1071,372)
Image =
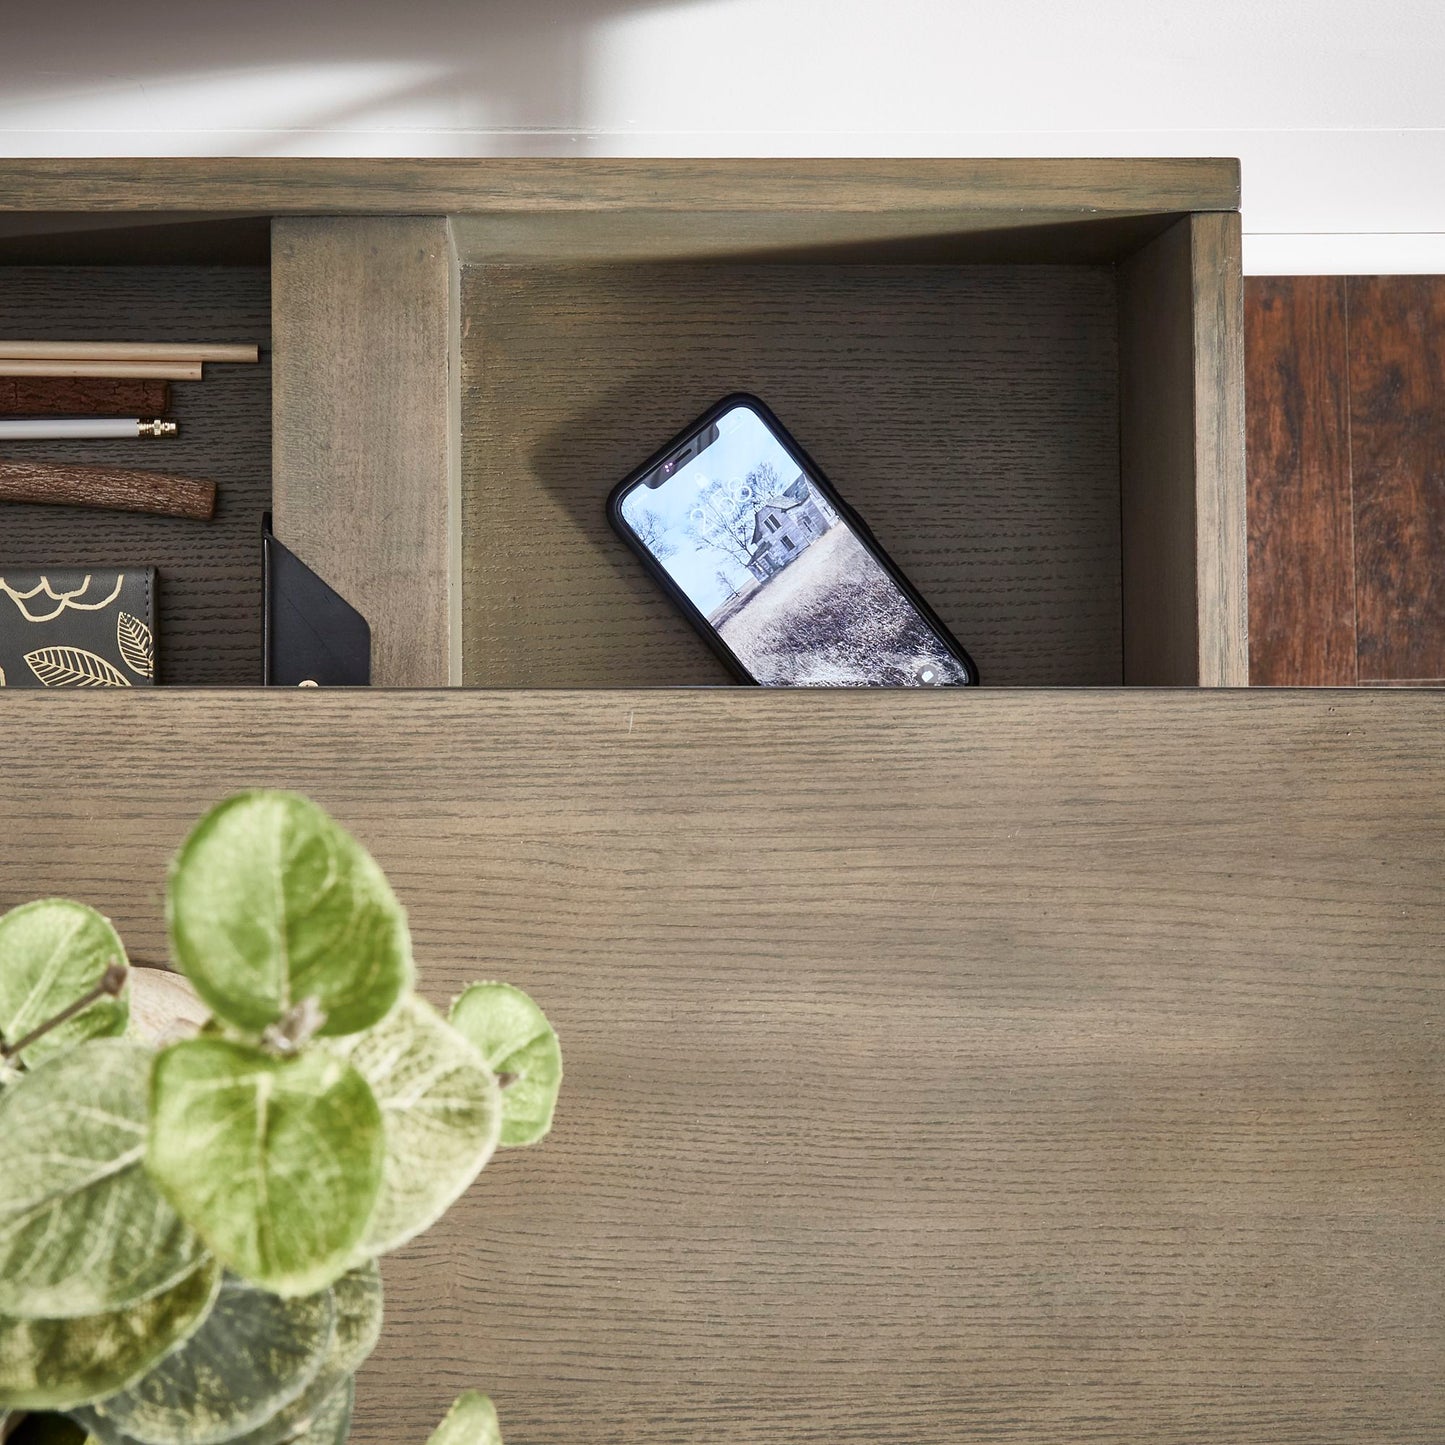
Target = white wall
(1337,109)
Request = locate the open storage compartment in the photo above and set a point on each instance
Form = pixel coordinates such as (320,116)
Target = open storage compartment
(1027,375)
(173,282)
(1012,411)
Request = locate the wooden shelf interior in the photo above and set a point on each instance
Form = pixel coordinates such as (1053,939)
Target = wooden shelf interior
(969,412)
(209,591)
(969,405)
(1027,376)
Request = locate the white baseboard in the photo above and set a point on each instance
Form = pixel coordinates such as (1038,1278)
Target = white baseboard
(1397,254)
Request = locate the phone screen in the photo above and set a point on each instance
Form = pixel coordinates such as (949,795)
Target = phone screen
(790,587)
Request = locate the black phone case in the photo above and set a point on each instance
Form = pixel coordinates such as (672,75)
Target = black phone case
(815,474)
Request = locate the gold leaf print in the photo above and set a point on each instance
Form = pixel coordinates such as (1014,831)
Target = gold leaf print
(73,667)
(134,638)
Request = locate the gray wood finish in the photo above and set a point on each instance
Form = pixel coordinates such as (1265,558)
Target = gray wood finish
(1181,328)
(969,413)
(999,1068)
(364,486)
(1029,191)
(1222,531)
(209,587)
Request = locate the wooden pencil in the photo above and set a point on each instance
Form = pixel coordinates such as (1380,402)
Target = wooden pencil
(156,370)
(127,351)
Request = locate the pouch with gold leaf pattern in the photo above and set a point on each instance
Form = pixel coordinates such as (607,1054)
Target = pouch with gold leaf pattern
(68,627)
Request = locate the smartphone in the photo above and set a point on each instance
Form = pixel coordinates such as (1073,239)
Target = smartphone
(773,568)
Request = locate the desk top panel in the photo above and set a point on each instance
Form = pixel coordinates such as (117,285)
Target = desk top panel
(1005,1067)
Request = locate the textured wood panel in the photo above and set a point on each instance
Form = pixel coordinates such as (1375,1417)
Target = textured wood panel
(1157,464)
(1397,430)
(990,1068)
(364,491)
(209,591)
(1301,523)
(1031,189)
(970,413)
(1221,525)
(952,235)
(1182,445)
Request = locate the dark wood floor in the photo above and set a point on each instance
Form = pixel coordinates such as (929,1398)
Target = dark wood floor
(1346,418)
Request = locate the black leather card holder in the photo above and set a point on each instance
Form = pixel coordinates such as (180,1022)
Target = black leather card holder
(77,627)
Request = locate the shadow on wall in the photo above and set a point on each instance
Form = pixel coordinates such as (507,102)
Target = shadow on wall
(271,72)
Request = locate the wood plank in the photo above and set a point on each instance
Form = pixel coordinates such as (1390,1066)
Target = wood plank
(1397,428)
(209,587)
(1157,461)
(1222,527)
(993,1068)
(1182,458)
(311,186)
(364,484)
(1301,522)
(949,235)
(970,413)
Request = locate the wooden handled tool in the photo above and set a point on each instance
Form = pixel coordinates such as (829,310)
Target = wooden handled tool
(111,488)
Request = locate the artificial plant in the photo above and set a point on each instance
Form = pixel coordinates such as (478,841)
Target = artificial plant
(189,1230)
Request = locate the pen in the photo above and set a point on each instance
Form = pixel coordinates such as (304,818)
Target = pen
(43,429)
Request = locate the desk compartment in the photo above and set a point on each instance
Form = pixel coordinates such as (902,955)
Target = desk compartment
(209,588)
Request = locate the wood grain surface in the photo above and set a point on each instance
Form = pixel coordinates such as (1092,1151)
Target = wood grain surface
(1221,523)
(1185,606)
(999,1068)
(1030,189)
(1397,442)
(209,590)
(970,413)
(363,417)
(1301,514)
(952,234)
(1158,480)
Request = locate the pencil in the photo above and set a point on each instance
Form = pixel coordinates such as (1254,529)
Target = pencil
(127,351)
(158,370)
(41,429)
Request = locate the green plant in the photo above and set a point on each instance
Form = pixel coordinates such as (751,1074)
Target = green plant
(189,1233)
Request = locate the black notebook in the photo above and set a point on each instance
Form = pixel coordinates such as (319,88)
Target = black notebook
(73,627)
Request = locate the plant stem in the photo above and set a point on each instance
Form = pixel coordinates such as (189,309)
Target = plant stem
(112,981)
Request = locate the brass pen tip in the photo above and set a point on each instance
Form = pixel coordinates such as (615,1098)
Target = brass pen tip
(159,428)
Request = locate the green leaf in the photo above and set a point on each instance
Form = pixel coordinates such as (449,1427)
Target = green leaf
(513,1036)
(271,903)
(252,1357)
(52,953)
(61,1364)
(357,1296)
(331,1423)
(442,1112)
(471,1421)
(83,1228)
(275,1162)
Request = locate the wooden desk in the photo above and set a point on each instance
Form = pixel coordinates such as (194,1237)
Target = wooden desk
(1010,1067)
